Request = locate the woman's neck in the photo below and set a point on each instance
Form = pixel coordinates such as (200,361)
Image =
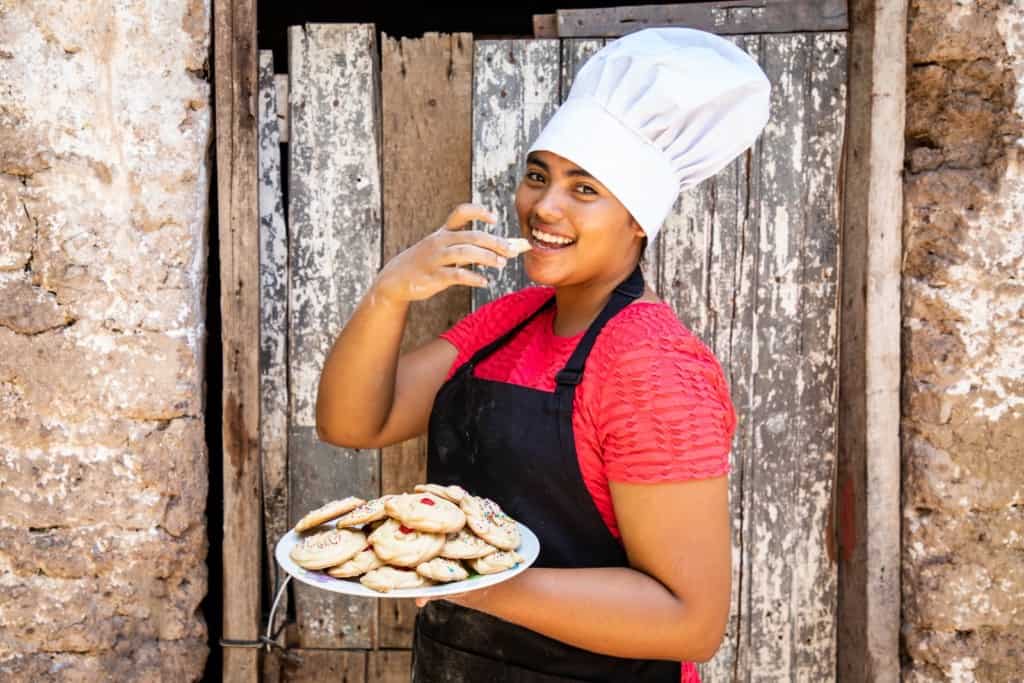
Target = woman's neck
(576,306)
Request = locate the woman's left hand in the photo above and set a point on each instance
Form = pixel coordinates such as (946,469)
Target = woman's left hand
(471,599)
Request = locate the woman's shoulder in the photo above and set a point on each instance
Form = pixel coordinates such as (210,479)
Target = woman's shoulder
(497,317)
(647,323)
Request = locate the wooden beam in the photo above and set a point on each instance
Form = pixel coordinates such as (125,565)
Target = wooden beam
(427,119)
(545,25)
(389,666)
(724,18)
(868,486)
(235,86)
(326,666)
(334,222)
(273,331)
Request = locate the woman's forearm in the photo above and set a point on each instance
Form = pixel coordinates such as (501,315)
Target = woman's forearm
(357,383)
(614,611)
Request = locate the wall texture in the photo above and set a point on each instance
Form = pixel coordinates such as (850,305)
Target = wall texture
(963,327)
(104,150)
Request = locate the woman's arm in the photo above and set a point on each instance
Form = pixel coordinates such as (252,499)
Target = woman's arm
(673,603)
(369,397)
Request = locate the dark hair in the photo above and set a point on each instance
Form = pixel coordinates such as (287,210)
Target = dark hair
(643,250)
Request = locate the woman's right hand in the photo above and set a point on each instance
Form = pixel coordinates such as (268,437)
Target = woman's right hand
(436,262)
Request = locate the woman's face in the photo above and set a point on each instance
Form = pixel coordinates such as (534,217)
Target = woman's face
(579,231)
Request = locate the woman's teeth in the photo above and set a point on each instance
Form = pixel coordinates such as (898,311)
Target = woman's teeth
(554,240)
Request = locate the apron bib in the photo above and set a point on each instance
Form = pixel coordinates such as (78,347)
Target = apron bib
(515,445)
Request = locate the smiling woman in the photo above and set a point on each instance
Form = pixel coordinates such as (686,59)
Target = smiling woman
(620,470)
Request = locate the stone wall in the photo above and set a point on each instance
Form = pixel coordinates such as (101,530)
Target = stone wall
(963,335)
(105,131)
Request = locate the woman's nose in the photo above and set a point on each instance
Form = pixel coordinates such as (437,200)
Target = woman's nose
(549,207)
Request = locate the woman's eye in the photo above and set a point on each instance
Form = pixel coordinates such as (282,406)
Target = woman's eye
(534,176)
(586,189)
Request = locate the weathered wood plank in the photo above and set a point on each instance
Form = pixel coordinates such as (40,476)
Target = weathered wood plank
(327,666)
(273,331)
(750,263)
(868,495)
(545,25)
(235,77)
(724,17)
(427,119)
(335,238)
(390,666)
(281,85)
(515,91)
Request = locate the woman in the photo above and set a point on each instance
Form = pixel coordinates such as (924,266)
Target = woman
(582,406)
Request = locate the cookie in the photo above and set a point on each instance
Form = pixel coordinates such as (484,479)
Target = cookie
(387,579)
(426,512)
(453,493)
(363,562)
(402,546)
(465,546)
(325,513)
(519,245)
(365,513)
(440,569)
(495,562)
(489,522)
(328,548)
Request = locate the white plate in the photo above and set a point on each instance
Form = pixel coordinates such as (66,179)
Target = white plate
(529,548)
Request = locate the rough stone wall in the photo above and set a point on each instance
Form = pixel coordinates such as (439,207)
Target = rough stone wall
(963,333)
(105,132)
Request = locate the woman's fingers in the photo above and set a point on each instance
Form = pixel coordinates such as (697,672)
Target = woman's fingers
(466,213)
(460,276)
(470,254)
(478,238)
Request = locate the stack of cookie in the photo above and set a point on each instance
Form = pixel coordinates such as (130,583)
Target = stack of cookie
(408,540)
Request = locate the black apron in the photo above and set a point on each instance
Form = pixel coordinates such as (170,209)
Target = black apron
(515,445)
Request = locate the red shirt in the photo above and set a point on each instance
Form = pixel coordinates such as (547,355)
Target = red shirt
(653,405)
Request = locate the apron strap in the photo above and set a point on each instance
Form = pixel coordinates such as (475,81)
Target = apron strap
(572,374)
(487,350)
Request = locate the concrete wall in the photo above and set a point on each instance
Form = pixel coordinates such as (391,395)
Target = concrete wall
(963,327)
(105,133)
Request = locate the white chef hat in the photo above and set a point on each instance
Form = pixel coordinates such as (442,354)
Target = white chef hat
(657,111)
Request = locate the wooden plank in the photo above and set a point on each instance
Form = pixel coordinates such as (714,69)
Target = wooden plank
(273,332)
(515,92)
(724,18)
(390,666)
(427,97)
(545,25)
(235,82)
(281,85)
(334,219)
(326,666)
(868,487)
(757,280)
